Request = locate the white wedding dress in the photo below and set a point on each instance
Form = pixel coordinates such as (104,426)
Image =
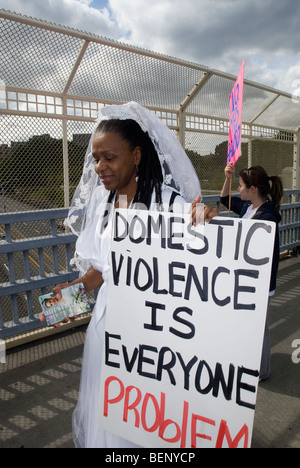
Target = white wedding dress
(96,250)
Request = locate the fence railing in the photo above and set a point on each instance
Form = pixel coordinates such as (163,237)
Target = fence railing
(25,271)
(32,265)
(290,223)
(289,229)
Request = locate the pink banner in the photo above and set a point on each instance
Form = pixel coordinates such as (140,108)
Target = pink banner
(235,118)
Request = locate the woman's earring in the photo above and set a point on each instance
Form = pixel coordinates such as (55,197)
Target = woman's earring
(137,174)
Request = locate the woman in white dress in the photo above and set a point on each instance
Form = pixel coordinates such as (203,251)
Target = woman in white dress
(133,158)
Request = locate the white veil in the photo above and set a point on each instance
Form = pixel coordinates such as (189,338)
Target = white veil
(178,171)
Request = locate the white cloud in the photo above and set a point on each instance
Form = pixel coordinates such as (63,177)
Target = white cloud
(215,33)
(78,14)
(85,2)
(291,78)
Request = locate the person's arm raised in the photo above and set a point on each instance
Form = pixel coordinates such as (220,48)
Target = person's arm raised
(229,172)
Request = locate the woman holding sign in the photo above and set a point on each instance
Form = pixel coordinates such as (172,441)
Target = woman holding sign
(260,199)
(132,160)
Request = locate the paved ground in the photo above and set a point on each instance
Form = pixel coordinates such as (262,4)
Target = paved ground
(277,420)
(39,383)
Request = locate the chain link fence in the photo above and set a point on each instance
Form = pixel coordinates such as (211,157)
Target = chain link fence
(54,80)
(32,168)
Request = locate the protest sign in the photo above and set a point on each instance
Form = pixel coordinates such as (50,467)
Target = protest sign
(235,118)
(184,329)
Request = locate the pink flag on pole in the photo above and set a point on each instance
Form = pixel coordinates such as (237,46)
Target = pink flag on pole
(235,118)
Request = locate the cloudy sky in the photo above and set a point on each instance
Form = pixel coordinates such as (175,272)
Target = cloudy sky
(216,33)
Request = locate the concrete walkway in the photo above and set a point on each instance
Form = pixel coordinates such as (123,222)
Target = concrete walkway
(277,419)
(39,383)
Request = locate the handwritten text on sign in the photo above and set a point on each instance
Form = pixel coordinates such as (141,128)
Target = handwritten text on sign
(235,118)
(184,329)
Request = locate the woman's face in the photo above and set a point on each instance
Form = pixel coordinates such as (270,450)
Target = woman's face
(51,302)
(244,191)
(115,163)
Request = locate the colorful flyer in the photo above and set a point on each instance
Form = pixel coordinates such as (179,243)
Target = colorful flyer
(235,118)
(72,303)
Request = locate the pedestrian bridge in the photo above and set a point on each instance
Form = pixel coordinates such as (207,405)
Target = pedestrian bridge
(32,264)
(40,381)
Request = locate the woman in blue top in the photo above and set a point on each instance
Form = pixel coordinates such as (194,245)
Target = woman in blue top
(260,199)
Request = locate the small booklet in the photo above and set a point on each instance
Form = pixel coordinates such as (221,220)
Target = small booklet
(73,302)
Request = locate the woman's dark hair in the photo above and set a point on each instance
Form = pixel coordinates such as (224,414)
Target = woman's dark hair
(149,170)
(257,177)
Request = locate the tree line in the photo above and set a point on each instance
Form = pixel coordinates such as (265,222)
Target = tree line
(33,170)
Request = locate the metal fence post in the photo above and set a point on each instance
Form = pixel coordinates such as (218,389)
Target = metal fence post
(65,155)
(250,147)
(296,160)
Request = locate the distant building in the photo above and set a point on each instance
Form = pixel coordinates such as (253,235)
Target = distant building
(81,139)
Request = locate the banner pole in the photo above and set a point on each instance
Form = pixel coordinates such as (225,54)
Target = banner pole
(230,189)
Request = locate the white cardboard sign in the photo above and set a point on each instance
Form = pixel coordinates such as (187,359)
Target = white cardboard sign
(184,329)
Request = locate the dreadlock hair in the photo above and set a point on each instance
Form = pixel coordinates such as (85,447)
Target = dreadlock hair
(149,169)
(150,175)
(257,177)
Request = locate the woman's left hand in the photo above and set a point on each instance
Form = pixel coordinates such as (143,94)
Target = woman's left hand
(201,213)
